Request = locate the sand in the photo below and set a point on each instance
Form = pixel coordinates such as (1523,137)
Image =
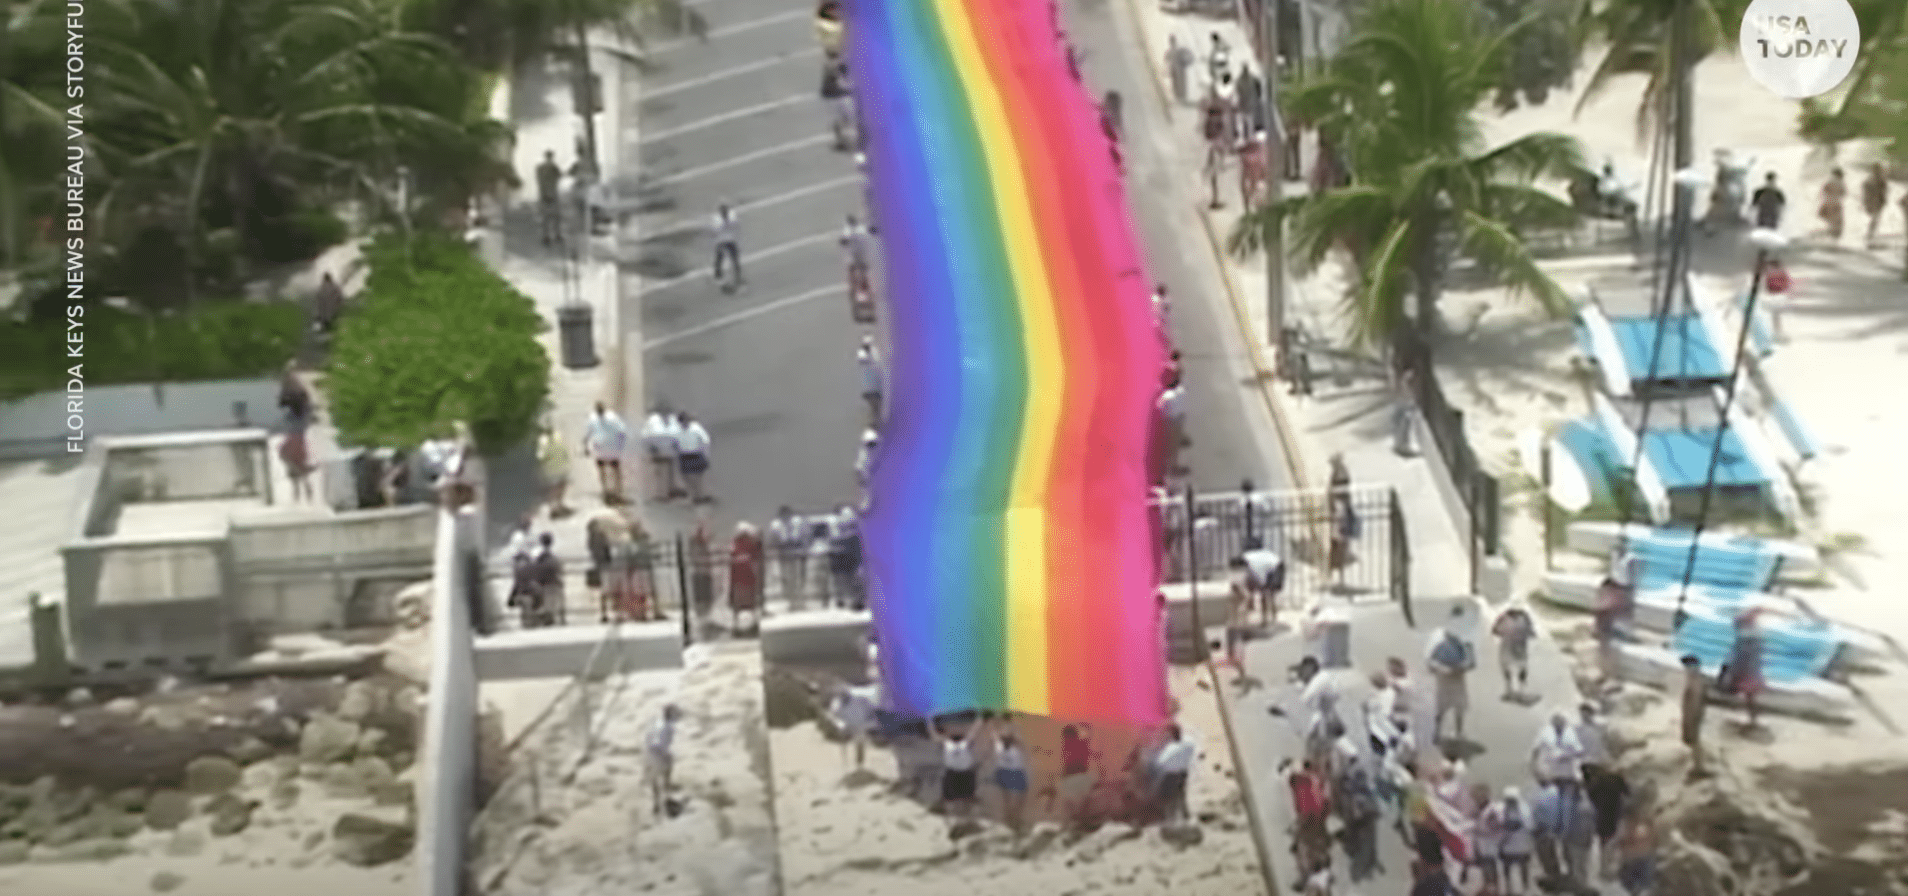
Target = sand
(848,834)
(574,814)
(1846,329)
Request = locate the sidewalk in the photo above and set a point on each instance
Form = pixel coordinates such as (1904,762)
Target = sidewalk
(537,103)
(1348,417)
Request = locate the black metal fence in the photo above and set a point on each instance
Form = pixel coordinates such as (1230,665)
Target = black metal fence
(1350,542)
(1477,489)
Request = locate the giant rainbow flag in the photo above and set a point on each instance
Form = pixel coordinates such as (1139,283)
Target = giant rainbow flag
(1009,546)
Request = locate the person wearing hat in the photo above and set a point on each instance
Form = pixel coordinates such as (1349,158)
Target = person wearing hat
(1510,818)
(747,557)
(659,440)
(868,364)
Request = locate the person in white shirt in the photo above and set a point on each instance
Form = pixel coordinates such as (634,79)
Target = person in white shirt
(659,756)
(1592,738)
(659,438)
(692,456)
(865,458)
(1556,756)
(868,365)
(1172,421)
(1381,720)
(1265,577)
(788,538)
(728,246)
(1171,767)
(1162,305)
(604,438)
(1218,60)
(855,710)
(959,771)
(854,248)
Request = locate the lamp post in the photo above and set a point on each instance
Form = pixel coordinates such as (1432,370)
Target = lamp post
(1768,243)
(1688,181)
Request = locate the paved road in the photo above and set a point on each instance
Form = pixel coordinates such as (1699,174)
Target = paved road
(1233,437)
(770,370)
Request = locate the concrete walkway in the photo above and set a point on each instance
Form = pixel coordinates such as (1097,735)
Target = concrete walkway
(537,103)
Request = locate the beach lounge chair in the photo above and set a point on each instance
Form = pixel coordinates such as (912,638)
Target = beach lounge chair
(1794,561)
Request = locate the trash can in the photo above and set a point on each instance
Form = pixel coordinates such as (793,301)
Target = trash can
(1330,634)
(576,335)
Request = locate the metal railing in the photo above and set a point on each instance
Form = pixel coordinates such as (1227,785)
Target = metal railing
(1477,490)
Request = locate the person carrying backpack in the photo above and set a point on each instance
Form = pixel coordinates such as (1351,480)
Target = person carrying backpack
(1509,818)
(1450,657)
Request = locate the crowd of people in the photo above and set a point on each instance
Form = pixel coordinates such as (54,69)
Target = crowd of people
(1395,762)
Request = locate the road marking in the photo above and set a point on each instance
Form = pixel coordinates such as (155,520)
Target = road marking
(728,73)
(727,320)
(748,258)
(756,156)
(741,27)
(735,115)
(688,225)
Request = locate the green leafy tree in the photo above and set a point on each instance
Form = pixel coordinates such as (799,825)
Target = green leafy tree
(1400,104)
(32,110)
(498,34)
(437,338)
(1869,105)
(1543,55)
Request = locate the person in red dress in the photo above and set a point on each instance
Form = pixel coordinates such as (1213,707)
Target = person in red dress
(746,561)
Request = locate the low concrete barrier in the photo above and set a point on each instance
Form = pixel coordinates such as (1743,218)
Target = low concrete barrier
(834,636)
(447,795)
(588,651)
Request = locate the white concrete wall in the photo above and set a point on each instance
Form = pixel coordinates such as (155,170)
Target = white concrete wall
(448,781)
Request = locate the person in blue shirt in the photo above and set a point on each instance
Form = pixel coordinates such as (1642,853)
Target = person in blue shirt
(1546,827)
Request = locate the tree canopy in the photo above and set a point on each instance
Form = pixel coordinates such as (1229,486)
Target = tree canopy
(437,338)
(1400,105)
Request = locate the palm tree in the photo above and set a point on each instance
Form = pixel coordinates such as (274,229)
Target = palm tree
(1637,34)
(496,34)
(32,112)
(217,115)
(1400,105)
(1868,104)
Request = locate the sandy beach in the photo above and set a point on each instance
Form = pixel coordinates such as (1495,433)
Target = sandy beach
(847,833)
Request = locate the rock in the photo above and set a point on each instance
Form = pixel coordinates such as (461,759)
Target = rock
(166,717)
(167,809)
(79,697)
(185,844)
(327,738)
(122,706)
(402,760)
(260,776)
(132,799)
(230,814)
(363,840)
(165,882)
(373,773)
(13,852)
(98,850)
(359,701)
(396,793)
(249,750)
(209,775)
(284,795)
(412,606)
(371,742)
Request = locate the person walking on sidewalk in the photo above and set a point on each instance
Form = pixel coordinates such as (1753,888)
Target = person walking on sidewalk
(1404,413)
(659,441)
(728,248)
(692,456)
(1514,630)
(604,438)
(1875,200)
(549,176)
(1450,657)
(553,462)
(1179,62)
(868,364)
(788,536)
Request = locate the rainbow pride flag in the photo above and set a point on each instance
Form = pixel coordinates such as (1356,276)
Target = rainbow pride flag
(1009,546)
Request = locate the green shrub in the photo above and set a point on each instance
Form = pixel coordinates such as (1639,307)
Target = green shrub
(437,337)
(212,341)
(299,236)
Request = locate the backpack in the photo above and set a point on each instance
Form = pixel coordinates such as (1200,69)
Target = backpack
(1452,653)
(1511,818)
